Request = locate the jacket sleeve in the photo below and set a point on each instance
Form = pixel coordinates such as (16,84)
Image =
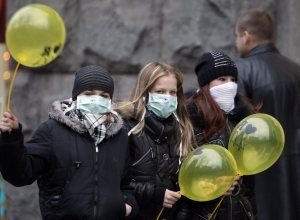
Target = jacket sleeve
(21,164)
(147,192)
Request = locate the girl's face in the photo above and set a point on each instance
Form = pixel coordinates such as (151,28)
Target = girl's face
(166,85)
(221,80)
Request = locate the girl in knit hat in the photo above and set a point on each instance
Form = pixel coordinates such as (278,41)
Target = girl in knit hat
(215,108)
(161,135)
(79,157)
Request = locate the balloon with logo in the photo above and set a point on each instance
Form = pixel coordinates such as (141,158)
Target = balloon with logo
(35,35)
(207,173)
(256,143)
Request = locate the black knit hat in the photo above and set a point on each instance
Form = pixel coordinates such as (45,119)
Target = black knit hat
(212,65)
(92,77)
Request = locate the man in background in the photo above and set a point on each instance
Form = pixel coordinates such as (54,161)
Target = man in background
(268,77)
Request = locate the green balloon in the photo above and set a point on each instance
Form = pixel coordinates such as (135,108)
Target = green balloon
(35,35)
(207,173)
(256,143)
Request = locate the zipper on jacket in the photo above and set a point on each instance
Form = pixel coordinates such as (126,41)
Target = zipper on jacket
(247,211)
(157,140)
(96,184)
(139,160)
(228,126)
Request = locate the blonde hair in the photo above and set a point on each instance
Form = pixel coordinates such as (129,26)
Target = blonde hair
(135,107)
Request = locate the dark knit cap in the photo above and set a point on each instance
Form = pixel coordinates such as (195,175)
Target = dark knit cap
(212,65)
(92,77)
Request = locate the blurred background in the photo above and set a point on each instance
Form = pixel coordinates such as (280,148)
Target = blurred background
(123,36)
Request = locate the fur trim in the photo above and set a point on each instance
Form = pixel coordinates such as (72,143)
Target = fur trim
(56,113)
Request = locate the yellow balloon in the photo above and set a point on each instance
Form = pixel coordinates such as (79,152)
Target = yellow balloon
(256,143)
(35,35)
(207,173)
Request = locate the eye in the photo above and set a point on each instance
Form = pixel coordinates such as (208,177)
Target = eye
(233,79)
(173,93)
(105,95)
(88,92)
(222,79)
(160,91)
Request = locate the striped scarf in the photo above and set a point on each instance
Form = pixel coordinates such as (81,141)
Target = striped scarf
(95,124)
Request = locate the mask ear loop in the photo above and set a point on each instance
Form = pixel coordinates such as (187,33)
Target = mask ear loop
(135,127)
(181,135)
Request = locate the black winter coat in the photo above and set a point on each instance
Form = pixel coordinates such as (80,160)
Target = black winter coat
(155,165)
(75,181)
(239,207)
(268,77)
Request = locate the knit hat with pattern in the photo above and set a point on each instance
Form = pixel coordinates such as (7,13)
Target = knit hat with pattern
(92,77)
(212,65)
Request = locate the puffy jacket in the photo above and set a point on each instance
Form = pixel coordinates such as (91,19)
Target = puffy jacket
(268,77)
(155,165)
(239,207)
(75,180)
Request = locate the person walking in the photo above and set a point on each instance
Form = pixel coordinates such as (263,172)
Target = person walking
(268,77)
(79,157)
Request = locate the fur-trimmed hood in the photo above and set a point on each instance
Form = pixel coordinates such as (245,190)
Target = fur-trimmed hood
(56,113)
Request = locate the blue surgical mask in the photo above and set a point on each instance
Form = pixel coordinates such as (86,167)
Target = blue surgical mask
(93,104)
(162,105)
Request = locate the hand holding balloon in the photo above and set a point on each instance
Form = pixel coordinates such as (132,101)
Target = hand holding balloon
(8,122)
(233,187)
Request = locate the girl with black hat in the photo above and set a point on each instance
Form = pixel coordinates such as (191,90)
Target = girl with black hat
(161,135)
(79,157)
(215,108)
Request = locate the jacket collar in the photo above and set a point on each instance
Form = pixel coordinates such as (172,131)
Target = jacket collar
(56,113)
(160,130)
(263,48)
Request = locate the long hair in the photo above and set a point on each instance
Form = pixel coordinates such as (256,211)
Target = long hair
(210,112)
(135,107)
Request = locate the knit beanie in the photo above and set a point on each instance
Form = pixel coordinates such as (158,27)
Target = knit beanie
(92,77)
(212,65)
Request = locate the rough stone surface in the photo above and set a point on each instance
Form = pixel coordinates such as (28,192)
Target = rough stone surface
(124,35)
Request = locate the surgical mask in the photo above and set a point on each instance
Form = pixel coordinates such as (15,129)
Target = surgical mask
(93,104)
(162,105)
(224,95)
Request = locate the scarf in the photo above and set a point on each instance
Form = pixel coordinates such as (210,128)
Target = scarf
(94,123)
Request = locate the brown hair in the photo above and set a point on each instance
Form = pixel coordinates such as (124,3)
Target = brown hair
(212,114)
(258,23)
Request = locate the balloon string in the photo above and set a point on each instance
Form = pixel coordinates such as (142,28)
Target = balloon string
(216,208)
(160,212)
(11,87)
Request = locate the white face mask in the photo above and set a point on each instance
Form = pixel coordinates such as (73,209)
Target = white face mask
(93,104)
(224,95)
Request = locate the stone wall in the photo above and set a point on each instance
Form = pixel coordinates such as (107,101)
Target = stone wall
(124,35)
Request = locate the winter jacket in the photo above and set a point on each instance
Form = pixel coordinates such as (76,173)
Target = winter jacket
(76,180)
(267,76)
(155,165)
(238,207)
